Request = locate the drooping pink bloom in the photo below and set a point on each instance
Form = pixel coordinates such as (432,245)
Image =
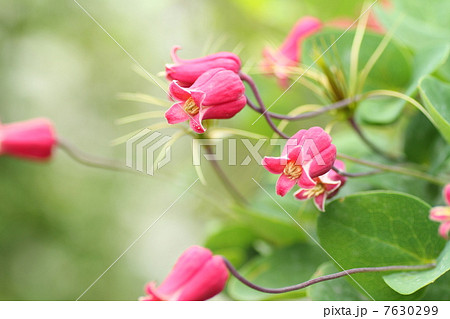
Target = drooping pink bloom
(196,276)
(216,94)
(186,72)
(372,22)
(33,139)
(442,214)
(307,155)
(279,61)
(327,186)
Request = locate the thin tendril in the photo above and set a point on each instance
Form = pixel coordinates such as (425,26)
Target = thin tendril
(313,281)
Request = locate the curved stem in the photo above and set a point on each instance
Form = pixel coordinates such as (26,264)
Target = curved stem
(405,98)
(362,174)
(252,105)
(237,196)
(247,78)
(395,169)
(267,117)
(89,160)
(305,284)
(371,145)
(335,106)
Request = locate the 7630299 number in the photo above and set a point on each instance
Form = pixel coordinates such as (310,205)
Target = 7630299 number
(411,310)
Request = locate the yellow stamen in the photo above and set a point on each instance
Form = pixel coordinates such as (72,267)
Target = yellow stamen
(292,170)
(190,107)
(316,190)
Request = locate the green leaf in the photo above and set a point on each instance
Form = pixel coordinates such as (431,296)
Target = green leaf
(284,267)
(416,23)
(439,289)
(332,290)
(407,283)
(391,71)
(422,140)
(232,241)
(376,229)
(387,110)
(271,224)
(436,95)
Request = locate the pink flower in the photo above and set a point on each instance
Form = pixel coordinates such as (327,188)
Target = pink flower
(188,71)
(442,214)
(372,23)
(197,275)
(279,62)
(327,186)
(344,23)
(33,139)
(306,155)
(216,94)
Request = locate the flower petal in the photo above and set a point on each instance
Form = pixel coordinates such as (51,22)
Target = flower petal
(176,114)
(440,214)
(275,165)
(305,180)
(447,194)
(323,162)
(444,229)
(284,184)
(302,194)
(195,122)
(319,201)
(178,92)
(293,142)
(207,282)
(188,265)
(224,110)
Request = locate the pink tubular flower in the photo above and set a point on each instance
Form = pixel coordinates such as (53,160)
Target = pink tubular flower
(33,139)
(278,62)
(372,22)
(197,275)
(442,214)
(327,186)
(306,155)
(188,71)
(216,94)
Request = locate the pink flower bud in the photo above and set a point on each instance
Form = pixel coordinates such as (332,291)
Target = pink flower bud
(197,275)
(279,62)
(186,72)
(326,187)
(33,139)
(442,214)
(306,155)
(216,94)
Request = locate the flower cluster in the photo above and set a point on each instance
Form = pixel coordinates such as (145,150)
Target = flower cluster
(205,88)
(307,160)
(442,214)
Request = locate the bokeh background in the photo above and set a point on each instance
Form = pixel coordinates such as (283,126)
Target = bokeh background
(63,224)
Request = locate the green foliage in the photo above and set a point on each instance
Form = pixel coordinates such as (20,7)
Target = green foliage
(387,110)
(333,290)
(379,229)
(409,282)
(391,71)
(436,95)
(416,23)
(284,267)
(232,241)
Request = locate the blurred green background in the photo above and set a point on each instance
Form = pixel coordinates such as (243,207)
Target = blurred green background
(63,224)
